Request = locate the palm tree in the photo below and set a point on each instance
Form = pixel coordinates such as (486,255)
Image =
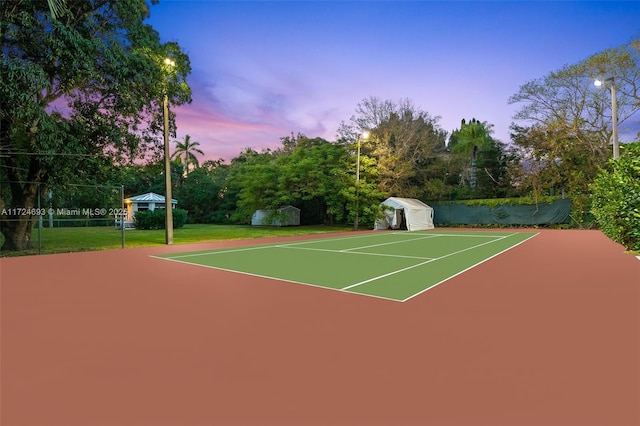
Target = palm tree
(473,136)
(187,151)
(56,7)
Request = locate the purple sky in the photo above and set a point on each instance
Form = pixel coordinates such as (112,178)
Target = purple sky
(264,69)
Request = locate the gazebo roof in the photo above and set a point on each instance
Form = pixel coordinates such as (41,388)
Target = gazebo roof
(150,197)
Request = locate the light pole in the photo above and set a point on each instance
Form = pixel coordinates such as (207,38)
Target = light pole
(614,115)
(363,135)
(168,205)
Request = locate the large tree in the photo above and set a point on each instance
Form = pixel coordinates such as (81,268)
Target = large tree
(76,91)
(472,137)
(253,183)
(319,176)
(201,192)
(553,160)
(565,122)
(404,142)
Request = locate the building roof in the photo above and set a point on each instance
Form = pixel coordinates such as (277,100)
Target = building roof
(150,197)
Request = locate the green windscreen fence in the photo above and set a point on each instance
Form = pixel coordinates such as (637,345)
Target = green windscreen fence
(525,214)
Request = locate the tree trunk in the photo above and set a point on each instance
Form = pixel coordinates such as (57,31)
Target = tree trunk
(473,178)
(17,226)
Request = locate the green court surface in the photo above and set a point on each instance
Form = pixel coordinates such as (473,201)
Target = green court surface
(385,264)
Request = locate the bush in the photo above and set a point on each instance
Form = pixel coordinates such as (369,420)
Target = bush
(154,219)
(218,216)
(179,218)
(616,198)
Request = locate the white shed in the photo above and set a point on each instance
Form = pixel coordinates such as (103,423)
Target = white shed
(406,213)
(283,216)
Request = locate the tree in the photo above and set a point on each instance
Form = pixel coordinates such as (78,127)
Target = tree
(201,192)
(253,183)
(319,176)
(404,143)
(492,178)
(565,125)
(76,91)
(553,160)
(567,102)
(471,137)
(187,150)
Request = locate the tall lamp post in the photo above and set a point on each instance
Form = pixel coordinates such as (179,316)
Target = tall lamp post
(363,135)
(168,205)
(614,115)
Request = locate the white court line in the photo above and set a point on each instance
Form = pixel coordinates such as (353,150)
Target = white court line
(319,240)
(349,252)
(215,252)
(470,267)
(324,240)
(418,234)
(486,235)
(233,250)
(423,263)
(268,277)
(389,243)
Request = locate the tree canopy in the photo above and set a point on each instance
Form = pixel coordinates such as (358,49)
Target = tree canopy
(564,124)
(78,92)
(405,144)
(568,97)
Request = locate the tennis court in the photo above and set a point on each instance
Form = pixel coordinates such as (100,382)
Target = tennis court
(390,265)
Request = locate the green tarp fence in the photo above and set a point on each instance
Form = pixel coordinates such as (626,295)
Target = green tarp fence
(519,214)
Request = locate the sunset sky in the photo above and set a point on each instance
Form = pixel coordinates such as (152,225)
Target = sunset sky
(265,69)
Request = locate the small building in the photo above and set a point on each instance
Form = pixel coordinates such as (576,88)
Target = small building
(283,216)
(148,201)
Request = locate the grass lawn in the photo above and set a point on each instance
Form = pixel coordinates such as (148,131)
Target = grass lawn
(60,240)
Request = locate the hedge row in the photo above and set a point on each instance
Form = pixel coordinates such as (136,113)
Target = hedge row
(154,219)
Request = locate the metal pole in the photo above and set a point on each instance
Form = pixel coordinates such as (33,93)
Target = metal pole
(168,213)
(614,119)
(122,213)
(39,224)
(355,225)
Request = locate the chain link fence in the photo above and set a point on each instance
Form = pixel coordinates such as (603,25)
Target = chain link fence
(60,218)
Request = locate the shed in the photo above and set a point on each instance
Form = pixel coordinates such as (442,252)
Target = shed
(283,216)
(405,213)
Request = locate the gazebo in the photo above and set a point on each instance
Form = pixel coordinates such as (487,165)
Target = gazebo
(148,201)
